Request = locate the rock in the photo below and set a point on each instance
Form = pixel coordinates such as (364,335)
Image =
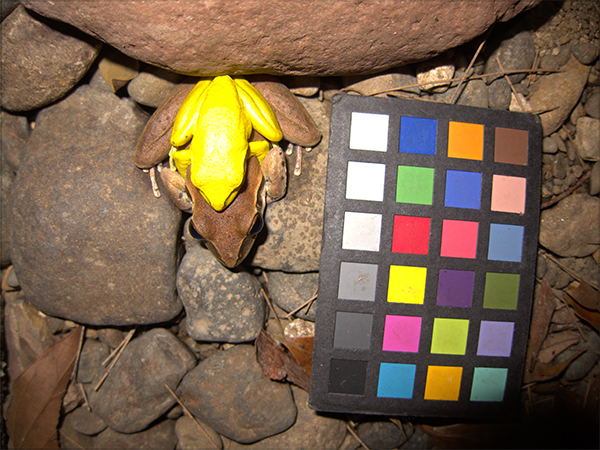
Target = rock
(230,393)
(310,431)
(515,53)
(375,36)
(26,331)
(563,55)
(585,52)
(306,86)
(85,421)
(549,62)
(192,437)
(153,86)
(578,112)
(93,353)
(369,85)
(595,179)
(73,440)
(560,166)
(221,305)
(581,366)
(7,177)
(291,290)
(518,103)
(160,436)
(588,138)
(7,6)
(549,145)
(134,394)
(381,434)
(592,105)
(434,74)
(572,226)
(556,94)
(294,224)
(41,60)
(499,94)
(474,94)
(15,133)
(89,241)
(110,336)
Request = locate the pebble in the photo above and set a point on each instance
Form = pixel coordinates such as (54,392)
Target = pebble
(41,61)
(152,86)
(221,305)
(474,94)
(291,290)
(555,95)
(560,166)
(563,55)
(578,112)
(433,73)
(549,145)
(190,436)
(115,243)
(595,179)
(73,440)
(134,394)
(306,86)
(310,431)
(588,138)
(159,436)
(85,421)
(369,85)
(585,52)
(15,133)
(592,105)
(581,366)
(559,142)
(294,224)
(572,226)
(93,353)
(110,336)
(499,94)
(514,53)
(230,393)
(381,434)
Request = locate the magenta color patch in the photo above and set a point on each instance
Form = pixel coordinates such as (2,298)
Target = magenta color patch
(401,334)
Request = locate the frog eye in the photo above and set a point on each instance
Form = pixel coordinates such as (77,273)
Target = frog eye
(257,225)
(193,232)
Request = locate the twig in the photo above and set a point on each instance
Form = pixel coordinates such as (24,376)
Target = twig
(568,270)
(86,403)
(308,303)
(114,361)
(470,66)
(512,88)
(573,318)
(471,77)
(191,416)
(536,62)
(76,365)
(353,433)
(116,350)
(272,310)
(569,191)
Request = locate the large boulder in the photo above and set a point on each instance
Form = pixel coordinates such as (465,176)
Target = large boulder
(303,37)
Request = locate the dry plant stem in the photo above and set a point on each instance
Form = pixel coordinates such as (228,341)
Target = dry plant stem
(353,433)
(569,271)
(308,303)
(573,318)
(469,68)
(84,395)
(536,65)
(512,88)
(116,350)
(114,361)
(398,423)
(272,310)
(472,77)
(189,414)
(76,365)
(569,191)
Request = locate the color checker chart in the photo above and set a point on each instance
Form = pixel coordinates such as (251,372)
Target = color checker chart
(428,260)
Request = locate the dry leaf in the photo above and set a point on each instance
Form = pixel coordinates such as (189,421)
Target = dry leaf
(279,363)
(546,355)
(302,349)
(118,69)
(543,309)
(585,295)
(546,372)
(33,413)
(590,316)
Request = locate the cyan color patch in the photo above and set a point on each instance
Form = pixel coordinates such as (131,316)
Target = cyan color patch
(396,380)
(488,384)
(418,135)
(463,189)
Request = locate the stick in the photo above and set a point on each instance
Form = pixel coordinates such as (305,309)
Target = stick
(512,88)
(114,361)
(308,302)
(349,428)
(568,270)
(272,310)
(568,192)
(189,414)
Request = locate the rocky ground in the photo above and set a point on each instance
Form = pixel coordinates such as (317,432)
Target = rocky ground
(77,183)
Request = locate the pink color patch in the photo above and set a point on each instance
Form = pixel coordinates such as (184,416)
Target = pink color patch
(508,194)
(401,334)
(459,239)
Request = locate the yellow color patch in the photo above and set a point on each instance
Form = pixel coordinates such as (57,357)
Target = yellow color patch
(443,383)
(407,284)
(465,140)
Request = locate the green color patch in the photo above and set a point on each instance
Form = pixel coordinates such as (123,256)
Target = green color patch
(415,185)
(501,290)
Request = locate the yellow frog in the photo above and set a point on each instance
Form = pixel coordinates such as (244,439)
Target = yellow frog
(217,133)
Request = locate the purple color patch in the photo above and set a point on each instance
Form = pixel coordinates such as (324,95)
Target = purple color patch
(455,288)
(495,338)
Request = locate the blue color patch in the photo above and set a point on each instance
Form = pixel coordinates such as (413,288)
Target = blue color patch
(418,135)
(396,380)
(463,189)
(506,242)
